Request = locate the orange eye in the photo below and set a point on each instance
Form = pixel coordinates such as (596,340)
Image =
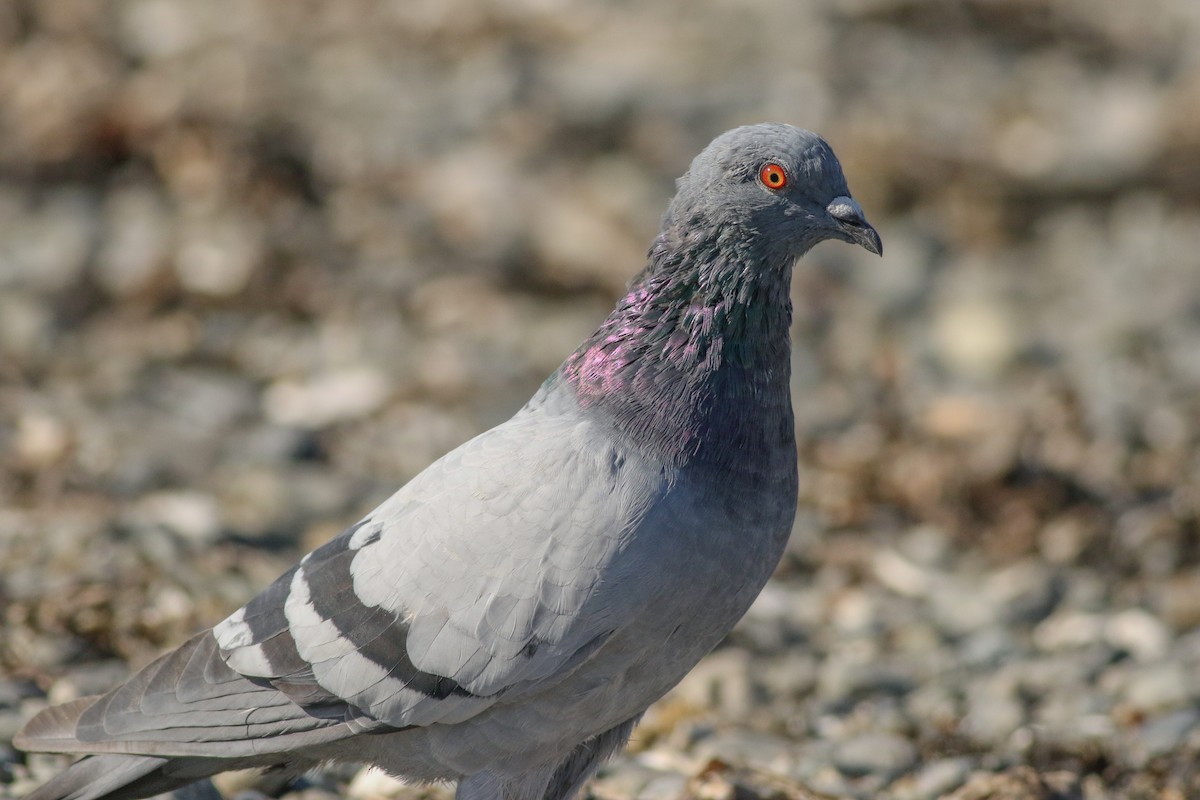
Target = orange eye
(773,176)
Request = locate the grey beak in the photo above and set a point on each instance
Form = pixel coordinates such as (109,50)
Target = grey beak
(849,217)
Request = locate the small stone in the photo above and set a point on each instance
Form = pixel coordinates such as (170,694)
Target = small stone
(251,784)
(875,753)
(136,241)
(934,706)
(626,777)
(1019,783)
(1158,687)
(1072,713)
(926,545)
(854,613)
(201,790)
(1063,539)
(841,679)
(1179,600)
(994,711)
(254,501)
(1139,633)
(217,257)
(96,677)
(988,647)
(832,783)
(1024,592)
(1162,735)
(792,674)
(812,757)
(25,325)
(721,682)
(10,723)
(900,574)
(974,336)
(1066,630)
(41,440)
(8,760)
(46,246)
(375,784)
(959,416)
(939,777)
(191,514)
(747,748)
(330,397)
(959,607)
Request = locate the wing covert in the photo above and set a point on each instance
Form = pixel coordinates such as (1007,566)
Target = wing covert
(478,579)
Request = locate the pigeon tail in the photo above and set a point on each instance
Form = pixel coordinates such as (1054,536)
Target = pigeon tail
(122,777)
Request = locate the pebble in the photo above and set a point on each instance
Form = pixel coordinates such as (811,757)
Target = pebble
(790,676)
(901,575)
(721,683)
(975,336)
(25,326)
(936,778)
(40,441)
(1024,592)
(1158,686)
(1162,735)
(204,790)
(1139,633)
(327,398)
(216,257)
(1074,714)
(960,606)
(192,515)
(1019,783)
(1179,599)
(747,748)
(1069,629)
(625,778)
(11,694)
(993,709)
(875,753)
(136,244)
(934,706)
(988,647)
(375,784)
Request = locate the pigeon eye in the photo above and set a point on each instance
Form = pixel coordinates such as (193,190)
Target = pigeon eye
(773,176)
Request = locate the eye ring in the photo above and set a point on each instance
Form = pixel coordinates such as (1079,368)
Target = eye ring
(773,176)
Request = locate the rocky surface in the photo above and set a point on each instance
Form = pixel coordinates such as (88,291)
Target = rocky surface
(260,262)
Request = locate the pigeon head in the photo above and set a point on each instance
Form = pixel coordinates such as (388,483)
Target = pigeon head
(775,188)
(697,353)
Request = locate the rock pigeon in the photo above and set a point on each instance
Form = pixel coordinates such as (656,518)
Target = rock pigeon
(506,617)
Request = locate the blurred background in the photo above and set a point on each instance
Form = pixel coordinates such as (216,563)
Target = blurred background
(262,261)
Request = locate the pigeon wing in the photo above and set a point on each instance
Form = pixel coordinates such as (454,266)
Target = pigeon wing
(187,702)
(478,580)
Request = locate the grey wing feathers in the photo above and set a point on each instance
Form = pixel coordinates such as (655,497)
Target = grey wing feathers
(121,777)
(464,587)
(110,777)
(313,638)
(472,584)
(188,702)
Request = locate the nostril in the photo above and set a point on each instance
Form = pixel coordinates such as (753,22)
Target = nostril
(847,211)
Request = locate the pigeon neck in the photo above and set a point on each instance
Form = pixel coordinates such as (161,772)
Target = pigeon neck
(695,359)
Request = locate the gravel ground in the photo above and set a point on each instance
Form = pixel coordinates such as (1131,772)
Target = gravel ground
(261,261)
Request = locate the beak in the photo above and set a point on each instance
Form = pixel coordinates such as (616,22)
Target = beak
(848,215)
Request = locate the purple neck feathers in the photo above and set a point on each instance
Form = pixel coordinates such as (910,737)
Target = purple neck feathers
(694,361)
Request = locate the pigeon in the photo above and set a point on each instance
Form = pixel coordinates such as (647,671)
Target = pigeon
(505,618)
